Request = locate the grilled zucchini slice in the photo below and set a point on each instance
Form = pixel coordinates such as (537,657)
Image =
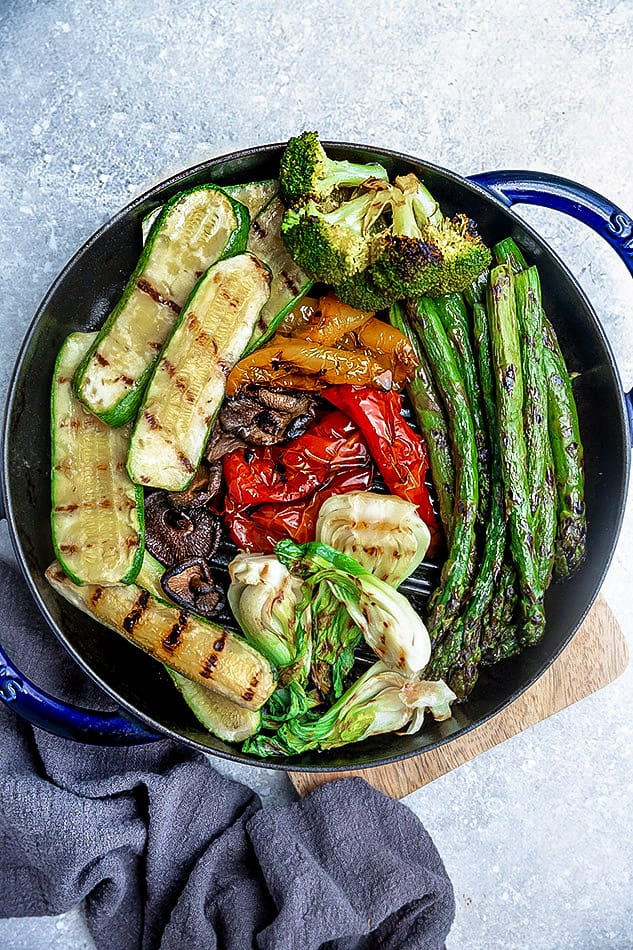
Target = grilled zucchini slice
(189,381)
(289,283)
(223,718)
(194,230)
(254,195)
(97,512)
(200,650)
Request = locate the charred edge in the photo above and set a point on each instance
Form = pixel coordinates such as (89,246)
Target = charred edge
(173,639)
(146,288)
(135,614)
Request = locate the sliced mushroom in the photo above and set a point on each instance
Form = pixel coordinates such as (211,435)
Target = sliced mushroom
(190,585)
(173,535)
(266,417)
(203,489)
(221,443)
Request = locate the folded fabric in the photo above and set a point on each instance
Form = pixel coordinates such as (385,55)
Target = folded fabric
(167,853)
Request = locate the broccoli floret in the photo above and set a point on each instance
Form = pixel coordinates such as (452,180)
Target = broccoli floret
(331,246)
(423,253)
(307,172)
(361,292)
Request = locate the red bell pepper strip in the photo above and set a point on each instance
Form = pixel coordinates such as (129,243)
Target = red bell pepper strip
(276,492)
(397,450)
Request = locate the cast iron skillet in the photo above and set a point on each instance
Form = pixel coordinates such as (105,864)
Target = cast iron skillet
(80,299)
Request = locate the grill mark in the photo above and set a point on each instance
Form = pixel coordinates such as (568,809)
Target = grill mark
(96,596)
(62,380)
(151,419)
(218,646)
(290,283)
(208,666)
(259,229)
(173,639)
(146,288)
(184,461)
(101,360)
(169,367)
(135,614)
(69,548)
(248,695)
(72,507)
(122,378)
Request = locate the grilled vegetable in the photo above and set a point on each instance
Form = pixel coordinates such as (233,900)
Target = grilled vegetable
(397,450)
(222,717)
(194,230)
(429,414)
(307,172)
(188,384)
(456,323)
(540,468)
(297,364)
(202,651)
(567,454)
(97,512)
(383,533)
(506,354)
(390,625)
(457,571)
(564,433)
(381,700)
(325,320)
(335,637)
(263,597)
(289,283)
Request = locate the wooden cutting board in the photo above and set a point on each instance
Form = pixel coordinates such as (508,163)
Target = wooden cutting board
(596,655)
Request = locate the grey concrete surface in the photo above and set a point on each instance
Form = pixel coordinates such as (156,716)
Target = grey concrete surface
(99,100)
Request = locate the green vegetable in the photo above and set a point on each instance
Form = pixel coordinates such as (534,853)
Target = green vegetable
(307,172)
(264,596)
(456,323)
(200,650)
(540,468)
(253,195)
(390,625)
(333,246)
(448,597)
(422,255)
(381,700)
(382,532)
(194,230)
(225,719)
(567,452)
(506,353)
(188,384)
(289,283)
(429,414)
(335,637)
(97,512)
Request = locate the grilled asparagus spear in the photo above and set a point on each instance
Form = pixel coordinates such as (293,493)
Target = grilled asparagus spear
(431,419)
(448,598)
(506,354)
(540,468)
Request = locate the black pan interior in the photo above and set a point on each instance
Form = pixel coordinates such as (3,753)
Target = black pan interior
(80,300)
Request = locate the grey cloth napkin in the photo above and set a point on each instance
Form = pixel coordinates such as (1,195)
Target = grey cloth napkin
(167,853)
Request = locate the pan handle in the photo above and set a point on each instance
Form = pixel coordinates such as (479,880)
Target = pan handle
(64,719)
(561,194)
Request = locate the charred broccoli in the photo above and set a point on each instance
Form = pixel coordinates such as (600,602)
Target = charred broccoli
(306,171)
(333,246)
(423,253)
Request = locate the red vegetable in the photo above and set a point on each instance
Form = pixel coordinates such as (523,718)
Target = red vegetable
(397,450)
(276,492)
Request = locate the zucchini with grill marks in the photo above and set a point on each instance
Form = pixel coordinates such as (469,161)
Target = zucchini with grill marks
(254,195)
(189,381)
(289,283)
(222,717)
(194,230)
(97,512)
(202,651)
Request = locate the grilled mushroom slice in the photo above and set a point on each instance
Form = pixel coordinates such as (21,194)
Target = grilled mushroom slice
(264,417)
(203,489)
(173,535)
(191,586)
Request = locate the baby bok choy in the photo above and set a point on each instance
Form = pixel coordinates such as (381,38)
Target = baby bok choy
(388,622)
(381,700)
(384,533)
